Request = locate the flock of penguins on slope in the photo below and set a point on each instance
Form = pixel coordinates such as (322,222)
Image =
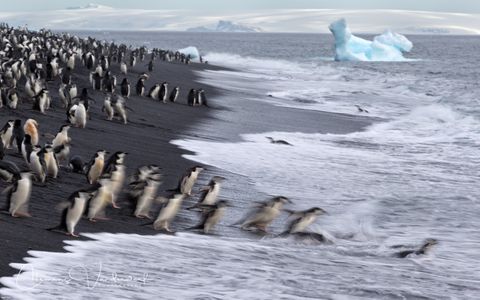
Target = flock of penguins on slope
(34,58)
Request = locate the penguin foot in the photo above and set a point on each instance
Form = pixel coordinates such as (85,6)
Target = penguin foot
(72,234)
(21,215)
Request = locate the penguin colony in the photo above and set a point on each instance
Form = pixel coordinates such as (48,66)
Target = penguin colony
(30,62)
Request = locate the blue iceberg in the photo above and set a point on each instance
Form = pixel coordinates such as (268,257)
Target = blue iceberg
(192,51)
(388,46)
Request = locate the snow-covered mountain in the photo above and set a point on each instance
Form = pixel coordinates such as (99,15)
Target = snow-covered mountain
(225,26)
(99,17)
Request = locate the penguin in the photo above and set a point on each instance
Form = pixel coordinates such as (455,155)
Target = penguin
(72,92)
(150,66)
(77,115)
(17,135)
(77,165)
(153,93)
(101,198)
(94,168)
(174,94)
(107,108)
(140,87)
(27,148)
(31,128)
(162,95)
(125,88)
(18,196)
(188,180)
(96,81)
(211,216)
(265,214)
(9,171)
(72,212)
(209,193)
(116,169)
(121,109)
(51,164)
(62,137)
(168,212)
(302,219)
(64,96)
(6,134)
(361,110)
(61,153)
(145,198)
(12,98)
(281,142)
(123,68)
(37,163)
(423,250)
(41,101)
(191,98)
(67,76)
(201,98)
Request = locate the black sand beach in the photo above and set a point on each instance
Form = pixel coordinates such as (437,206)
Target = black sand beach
(146,138)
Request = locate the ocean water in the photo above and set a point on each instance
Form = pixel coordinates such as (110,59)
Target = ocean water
(413,174)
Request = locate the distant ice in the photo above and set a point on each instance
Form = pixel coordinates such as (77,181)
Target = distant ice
(225,26)
(192,51)
(388,46)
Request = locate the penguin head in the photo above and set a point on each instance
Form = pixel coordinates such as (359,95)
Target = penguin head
(428,244)
(317,211)
(65,127)
(218,179)
(198,169)
(281,200)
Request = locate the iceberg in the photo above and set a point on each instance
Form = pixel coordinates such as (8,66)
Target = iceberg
(192,51)
(388,46)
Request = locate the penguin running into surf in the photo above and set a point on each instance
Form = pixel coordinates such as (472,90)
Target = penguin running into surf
(265,213)
(188,180)
(211,216)
(209,193)
(72,211)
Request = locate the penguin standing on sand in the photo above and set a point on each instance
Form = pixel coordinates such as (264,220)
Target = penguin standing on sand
(210,192)
(27,148)
(153,93)
(168,212)
(123,68)
(115,168)
(96,81)
(108,108)
(212,214)
(17,135)
(192,97)
(174,94)
(12,98)
(94,168)
(265,214)
(162,95)
(62,137)
(150,66)
(37,163)
(6,134)
(61,153)
(125,88)
(101,198)
(140,87)
(18,196)
(51,164)
(186,183)
(120,109)
(77,165)
(72,212)
(202,98)
(31,128)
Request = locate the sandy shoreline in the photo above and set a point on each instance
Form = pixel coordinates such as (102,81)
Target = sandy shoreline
(152,125)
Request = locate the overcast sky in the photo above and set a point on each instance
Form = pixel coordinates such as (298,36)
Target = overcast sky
(464,6)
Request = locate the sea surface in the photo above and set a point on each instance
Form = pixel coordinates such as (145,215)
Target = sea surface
(413,174)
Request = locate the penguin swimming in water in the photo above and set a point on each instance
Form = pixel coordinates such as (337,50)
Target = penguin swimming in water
(18,196)
(210,193)
(281,142)
(424,249)
(302,219)
(361,110)
(168,212)
(72,212)
(265,214)
(174,94)
(188,180)
(94,168)
(212,214)
(62,137)
(31,128)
